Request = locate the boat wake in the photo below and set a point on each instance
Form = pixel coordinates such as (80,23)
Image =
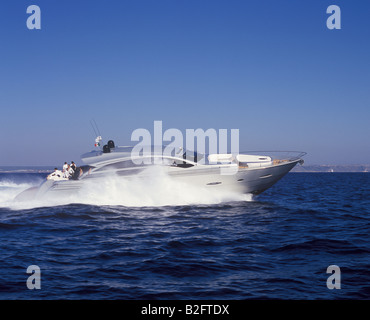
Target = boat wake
(10,189)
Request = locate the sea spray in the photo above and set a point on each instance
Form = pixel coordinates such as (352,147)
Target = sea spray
(10,189)
(154,188)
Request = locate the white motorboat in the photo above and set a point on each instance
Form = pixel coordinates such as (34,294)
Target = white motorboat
(251,172)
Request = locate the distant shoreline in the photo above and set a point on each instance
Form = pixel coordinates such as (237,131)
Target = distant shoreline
(332,168)
(26,169)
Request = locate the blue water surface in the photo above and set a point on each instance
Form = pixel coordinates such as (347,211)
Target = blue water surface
(277,246)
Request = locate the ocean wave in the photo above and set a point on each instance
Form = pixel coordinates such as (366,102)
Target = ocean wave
(323,245)
(278,246)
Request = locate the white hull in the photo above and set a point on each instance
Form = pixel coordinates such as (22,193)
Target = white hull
(241,173)
(253,180)
(242,180)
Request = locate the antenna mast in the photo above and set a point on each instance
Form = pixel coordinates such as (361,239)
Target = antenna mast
(97,132)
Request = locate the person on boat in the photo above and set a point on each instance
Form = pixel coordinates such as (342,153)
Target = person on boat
(57,174)
(77,171)
(70,172)
(66,173)
(65,167)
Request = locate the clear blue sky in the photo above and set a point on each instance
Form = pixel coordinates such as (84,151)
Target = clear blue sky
(269,68)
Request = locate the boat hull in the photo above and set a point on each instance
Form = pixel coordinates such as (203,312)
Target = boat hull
(231,179)
(245,180)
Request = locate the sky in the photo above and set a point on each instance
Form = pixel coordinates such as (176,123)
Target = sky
(271,69)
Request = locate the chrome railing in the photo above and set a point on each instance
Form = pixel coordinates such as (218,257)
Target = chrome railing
(278,155)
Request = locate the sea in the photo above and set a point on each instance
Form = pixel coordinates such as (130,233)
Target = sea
(305,238)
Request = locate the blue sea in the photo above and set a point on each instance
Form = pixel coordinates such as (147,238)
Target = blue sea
(178,244)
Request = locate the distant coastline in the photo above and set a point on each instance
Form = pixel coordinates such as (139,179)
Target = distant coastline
(26,169)
(332,168)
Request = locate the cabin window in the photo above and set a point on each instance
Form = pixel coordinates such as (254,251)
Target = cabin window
(118,165)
